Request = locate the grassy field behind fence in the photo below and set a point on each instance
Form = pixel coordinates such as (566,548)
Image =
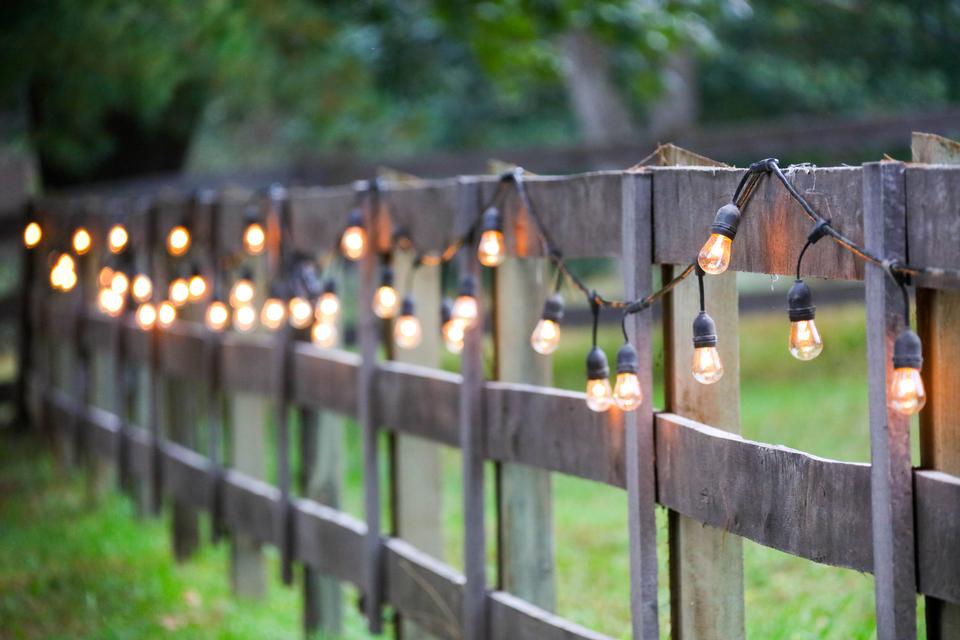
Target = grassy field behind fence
(72,570)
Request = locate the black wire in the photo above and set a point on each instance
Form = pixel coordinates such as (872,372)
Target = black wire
(595,310)
(800,257)
(700,275)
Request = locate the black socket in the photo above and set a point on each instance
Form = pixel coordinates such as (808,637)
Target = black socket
(907,350)
(490,220)
(800,302)
(468,286)
(446,311)
(386,276)
(704,331)
(330,286)
(251,215)
(355,219)
(597,367)
(627,360)
(407,307)
(246,273)
(726,221)
(553,308)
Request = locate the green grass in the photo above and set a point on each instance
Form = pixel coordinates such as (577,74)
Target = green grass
(73,570)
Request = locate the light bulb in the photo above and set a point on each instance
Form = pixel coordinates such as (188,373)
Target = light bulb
(353,242)
(451,328)
(105,277)
(66,261)
(324,334)
(599,393)
(32,234)
(178,240)
(627,392)
(273,313)
(179,291)
(386,302)
(110,302)
(491,251)
(328,306)
(242,292)
(707,367)
(217,316)
(81,241)
(301,312)
(146,316)
(142,288)
(907,395)
(714,257)
(120,283)
(407,332)
(244,318)
(166,313)
(546,334)
(465,310)
(197,287)
(63,276)
(805,342)
(117,238)
(254,239)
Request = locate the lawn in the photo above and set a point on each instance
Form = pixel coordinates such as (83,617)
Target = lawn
(74,569)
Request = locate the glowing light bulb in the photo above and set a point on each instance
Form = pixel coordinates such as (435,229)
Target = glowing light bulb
(906,394)
(110,302)
(546,334)
(324,334)
(328,306)
(117,238)
(81,241)
(707,367)
(353,242)
(244,318)
(146,316)
(242,292)
(385,300)
(491,250)
(178,240)
(805,342)
(452,329)
(142,288)
(63,276)
(254,239)
(301,312)
(627,392)
(407,332)
(714,257)
(105,277)
(166,313)
(217,316)
(179,291)
(32,234)
(599,393)
(273,314)
(197,287)
(120,283)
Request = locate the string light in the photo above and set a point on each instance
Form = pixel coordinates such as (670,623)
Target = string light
(254,235)
(714,257)
(110,302)
(301,312)
(707,368)
(385,300)
(63,275)
(142,288)
(353,241)
(805,342)
(105,276)
(273,314)
(178,240)
(627,393)
(120,283)
(465,307)
(32,234)
(81,241)
(117,238)
(451,328)
(242,291)
(197,286)
(407,331)
(546,334)
(218,316)
(324,334)
(146,316)
(166,313)
(328,305)
(244,318)
(907,395)
(179,291)
(491,250)
(599,394)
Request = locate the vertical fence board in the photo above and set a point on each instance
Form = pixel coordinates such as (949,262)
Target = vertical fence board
(884,200)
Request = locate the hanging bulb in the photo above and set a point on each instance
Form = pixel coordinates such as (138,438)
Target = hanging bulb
(385,300)
(491,250)
(805,342)
(166,313)
(254,238)
(599,393)
(178,240)
(217,316)
(907,395)
(301,312)
(324,334)
(244,318)
(120,283)
(81,241)
(353,242)
(451,328)
(465,308)
(63,276)
(707,367)
(328,306)
(406,331)
(105,276)
(142,288)
(110,302)
(32,234)
(197,286)
(714,257)
(242,291)
(273,314)
(146,316)
(627,393)
(179,291)
(546,335)
(117,238)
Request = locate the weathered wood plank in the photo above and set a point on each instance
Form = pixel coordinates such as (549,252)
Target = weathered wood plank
(244,363)
(891,483)
(937,495)
(424,590)
(330,541)
(318,215)
(252,507)
(515,618)
(181,350)
(416,400)
(932,227)
(187,476)
(325,379)
(423,211)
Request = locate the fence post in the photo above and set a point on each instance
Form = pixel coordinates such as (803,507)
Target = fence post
(891,475)
(938,323)
(636,261)
(706,564)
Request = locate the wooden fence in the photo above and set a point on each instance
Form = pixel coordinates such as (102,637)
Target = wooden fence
(886,518)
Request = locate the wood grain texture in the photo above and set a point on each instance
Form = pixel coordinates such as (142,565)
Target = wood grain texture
(933,225)
(329,541)
(416,400)
(252,506)
(515,618)
(318,215)
(424,211)
(938,538)
(423,589)
(325,379)
(891,482)
(773,228)
(187,476)
(244,363)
